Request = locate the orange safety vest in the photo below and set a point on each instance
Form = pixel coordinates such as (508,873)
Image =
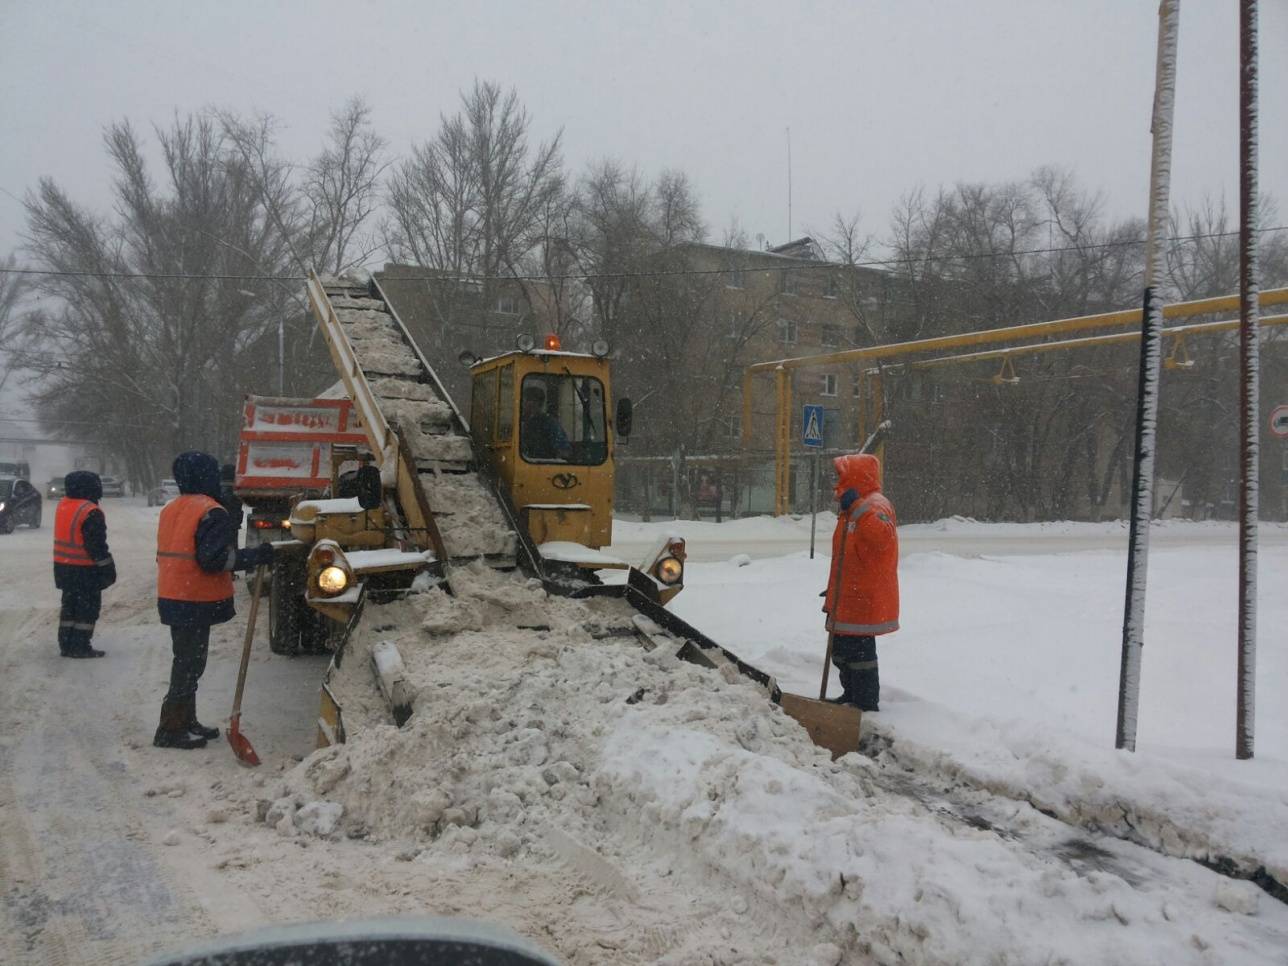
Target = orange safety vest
(69,541)
(179,576)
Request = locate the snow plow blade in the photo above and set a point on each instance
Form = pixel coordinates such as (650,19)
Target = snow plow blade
(831,726)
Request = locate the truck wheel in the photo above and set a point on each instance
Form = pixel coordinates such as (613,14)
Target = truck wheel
(285,598)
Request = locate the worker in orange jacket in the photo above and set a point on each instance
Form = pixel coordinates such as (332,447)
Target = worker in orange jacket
(196,557)
(862,596)
(83,565)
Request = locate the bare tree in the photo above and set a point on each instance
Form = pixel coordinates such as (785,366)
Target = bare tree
(472,204)
(158,362)
(11,294)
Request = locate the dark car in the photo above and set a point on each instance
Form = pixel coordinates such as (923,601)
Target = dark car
(20,503)
(54,490)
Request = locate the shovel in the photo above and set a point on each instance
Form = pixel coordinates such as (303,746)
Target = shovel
(241,745)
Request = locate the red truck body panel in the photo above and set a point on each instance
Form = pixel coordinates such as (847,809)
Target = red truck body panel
(285,444)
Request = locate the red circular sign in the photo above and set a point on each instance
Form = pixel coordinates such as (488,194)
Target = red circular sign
(1279,421)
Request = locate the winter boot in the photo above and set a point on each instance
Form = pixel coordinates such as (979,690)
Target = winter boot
(85,651)
(847,695)
(195,727)
(172,731)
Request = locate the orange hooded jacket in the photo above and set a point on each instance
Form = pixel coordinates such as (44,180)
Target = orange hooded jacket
(863,587)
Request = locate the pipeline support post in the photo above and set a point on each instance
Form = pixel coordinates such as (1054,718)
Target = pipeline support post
(782,440)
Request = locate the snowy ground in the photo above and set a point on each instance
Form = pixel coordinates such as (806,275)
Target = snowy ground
(990,822)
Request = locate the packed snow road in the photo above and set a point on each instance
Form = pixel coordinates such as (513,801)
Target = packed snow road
(617,807)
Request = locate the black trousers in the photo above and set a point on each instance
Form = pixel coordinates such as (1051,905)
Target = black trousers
(856,665)
(190,643)
(77,618)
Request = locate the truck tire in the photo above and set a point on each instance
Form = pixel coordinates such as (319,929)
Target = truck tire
(285,601)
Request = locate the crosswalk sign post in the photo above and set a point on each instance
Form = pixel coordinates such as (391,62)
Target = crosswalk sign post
(812,435)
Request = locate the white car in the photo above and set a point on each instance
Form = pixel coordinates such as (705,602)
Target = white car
(163,493)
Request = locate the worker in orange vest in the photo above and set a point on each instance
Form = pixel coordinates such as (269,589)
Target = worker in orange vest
(83,566)
(862,596)
(195,561)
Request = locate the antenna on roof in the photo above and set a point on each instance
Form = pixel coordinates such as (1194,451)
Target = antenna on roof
(789,183)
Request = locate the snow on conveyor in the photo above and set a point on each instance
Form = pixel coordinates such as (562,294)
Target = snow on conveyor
(708,820)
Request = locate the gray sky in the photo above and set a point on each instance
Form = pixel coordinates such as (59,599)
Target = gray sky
(879,95)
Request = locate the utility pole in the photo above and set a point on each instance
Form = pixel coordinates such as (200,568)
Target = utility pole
(1169,14)
(1249,385)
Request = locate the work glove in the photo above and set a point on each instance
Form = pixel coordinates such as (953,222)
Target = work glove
(263,556)
(106,572)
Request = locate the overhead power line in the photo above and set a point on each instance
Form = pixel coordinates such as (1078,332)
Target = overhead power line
(802,265)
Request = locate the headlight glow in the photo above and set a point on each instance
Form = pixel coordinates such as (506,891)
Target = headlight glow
(333,580)
(1,506)
(669,571)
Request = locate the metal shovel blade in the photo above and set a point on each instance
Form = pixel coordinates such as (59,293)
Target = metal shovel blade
(241,745)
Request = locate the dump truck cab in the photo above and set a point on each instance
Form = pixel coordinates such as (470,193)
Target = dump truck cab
(541,420)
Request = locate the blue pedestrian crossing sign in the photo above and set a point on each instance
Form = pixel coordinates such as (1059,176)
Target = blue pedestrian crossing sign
(812,425)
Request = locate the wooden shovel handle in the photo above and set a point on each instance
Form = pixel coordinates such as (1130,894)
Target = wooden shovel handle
(250,637)
(827,667)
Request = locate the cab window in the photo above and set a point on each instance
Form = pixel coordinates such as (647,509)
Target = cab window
(562,420)
(505,408)
(483,406)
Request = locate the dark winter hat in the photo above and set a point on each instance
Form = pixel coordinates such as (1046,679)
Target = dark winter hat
(197,472)
(83,485)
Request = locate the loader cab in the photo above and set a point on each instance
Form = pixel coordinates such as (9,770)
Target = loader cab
(542,418)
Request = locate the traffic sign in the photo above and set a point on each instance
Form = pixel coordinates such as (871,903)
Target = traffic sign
(1279,422)
(812,425)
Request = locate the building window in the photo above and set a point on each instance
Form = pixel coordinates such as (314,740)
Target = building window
(737,278)
(856,387)
(507,304)
(736,326)
(830,286)
(829,384)
(830,336)
(734,425)
(787,331)
(789,282)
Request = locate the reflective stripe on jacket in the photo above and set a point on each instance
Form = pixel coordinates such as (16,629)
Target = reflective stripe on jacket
(69,540)
(863,586)
(179,576)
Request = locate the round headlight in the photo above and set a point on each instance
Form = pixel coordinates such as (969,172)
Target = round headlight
(333,580)
(599,347)
(524,342)
(669,570)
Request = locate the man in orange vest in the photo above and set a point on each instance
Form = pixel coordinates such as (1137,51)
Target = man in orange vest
(862,596)
(195,562)
(83,566)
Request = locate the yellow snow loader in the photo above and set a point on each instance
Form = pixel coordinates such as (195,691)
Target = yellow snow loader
(525,485)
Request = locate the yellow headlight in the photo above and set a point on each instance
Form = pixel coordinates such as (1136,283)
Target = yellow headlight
(333,580)
(669,570)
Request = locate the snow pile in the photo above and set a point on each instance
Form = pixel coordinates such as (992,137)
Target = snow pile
(535,743)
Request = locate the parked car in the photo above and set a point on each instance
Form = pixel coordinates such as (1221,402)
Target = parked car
(20,470)
(20,503)
(54,490)
(112,486)
(163,493)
